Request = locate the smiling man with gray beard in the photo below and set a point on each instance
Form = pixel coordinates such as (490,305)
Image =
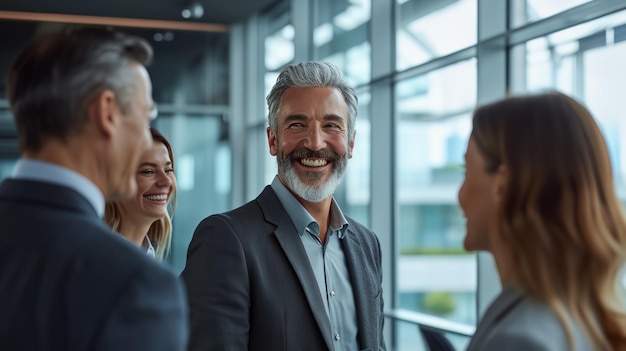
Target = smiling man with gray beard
(288,270)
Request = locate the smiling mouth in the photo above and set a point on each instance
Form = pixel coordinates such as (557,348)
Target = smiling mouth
(315,162)
(160,197)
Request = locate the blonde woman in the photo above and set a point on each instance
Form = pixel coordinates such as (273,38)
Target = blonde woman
(145,219)
(539,195)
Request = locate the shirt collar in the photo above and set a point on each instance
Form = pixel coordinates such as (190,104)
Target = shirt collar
(147,245)
(52,173)
(301,219)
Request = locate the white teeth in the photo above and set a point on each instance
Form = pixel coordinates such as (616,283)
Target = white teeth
(313,163)
(161,197)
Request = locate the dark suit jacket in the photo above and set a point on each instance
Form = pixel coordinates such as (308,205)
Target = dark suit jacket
(251,286)
(515,323)
(67,282)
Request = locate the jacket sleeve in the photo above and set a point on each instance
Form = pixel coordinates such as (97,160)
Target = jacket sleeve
(218,288)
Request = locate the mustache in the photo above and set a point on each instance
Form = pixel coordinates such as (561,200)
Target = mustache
(308,153)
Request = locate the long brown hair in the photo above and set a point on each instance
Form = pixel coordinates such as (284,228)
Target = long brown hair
(560,225)
(160,232)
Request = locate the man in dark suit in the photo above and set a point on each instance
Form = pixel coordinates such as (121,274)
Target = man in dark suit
(288,271)
(82,106)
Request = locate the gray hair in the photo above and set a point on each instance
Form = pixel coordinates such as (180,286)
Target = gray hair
(55,77)
(309,75)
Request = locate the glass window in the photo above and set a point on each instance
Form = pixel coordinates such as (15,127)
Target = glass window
(434,274)
(341,36)
(430,29)
(279,48)
(203,172)
(279,51)
(6,167)
(525,11)
(357,177)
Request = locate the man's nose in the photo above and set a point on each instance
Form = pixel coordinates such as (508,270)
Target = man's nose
(315,139)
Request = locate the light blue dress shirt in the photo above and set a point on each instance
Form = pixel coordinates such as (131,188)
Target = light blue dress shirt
(51,173)
(329,266)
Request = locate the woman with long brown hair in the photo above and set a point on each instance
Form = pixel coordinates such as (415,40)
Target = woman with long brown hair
(145,219)
(539,195)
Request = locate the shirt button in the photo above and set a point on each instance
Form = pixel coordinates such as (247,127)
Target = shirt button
(332,293)
(337,337)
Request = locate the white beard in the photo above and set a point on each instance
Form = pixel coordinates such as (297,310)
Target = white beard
(308,192)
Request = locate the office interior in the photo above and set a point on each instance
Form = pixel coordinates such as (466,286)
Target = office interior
(419,67)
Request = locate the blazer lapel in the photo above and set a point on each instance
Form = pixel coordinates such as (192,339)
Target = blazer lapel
(294,250)
(361,286)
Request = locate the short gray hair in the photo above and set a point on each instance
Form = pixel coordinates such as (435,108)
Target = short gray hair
(309,75)
(56,75)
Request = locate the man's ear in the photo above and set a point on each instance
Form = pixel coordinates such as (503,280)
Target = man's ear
(500,182)
(351,144)
(103,111)
(271,140)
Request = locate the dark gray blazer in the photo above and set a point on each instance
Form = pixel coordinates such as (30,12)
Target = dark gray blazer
(515,323)
(251,286)
(67,282)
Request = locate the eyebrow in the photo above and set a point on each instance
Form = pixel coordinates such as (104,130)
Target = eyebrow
(300,117)
(295,118)
(152,164)
(333,117)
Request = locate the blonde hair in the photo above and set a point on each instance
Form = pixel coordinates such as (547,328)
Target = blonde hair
(160,231)
(560,225)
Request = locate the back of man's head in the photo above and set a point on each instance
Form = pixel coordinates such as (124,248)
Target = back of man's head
(55,76)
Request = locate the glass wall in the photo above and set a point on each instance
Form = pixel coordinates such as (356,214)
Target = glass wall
(525,11)
(341,36)
(434,274)
(202,168)
(279,51)
(425,31)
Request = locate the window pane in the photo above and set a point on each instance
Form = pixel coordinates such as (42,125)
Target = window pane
(6,167)
(341,36)
(279,48)
(203,164)
(357,177)
(432,28)
(434,274)
(279,51)
(525,11)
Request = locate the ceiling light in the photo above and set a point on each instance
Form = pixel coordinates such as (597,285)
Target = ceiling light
(194,10)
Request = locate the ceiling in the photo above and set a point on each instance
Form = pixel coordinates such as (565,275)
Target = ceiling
(186,49)
(215,11)
(194,61)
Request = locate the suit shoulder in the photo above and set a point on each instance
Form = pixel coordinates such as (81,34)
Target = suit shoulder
(530,322)
(243,219)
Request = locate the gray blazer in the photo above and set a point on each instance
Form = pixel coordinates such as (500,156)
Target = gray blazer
(515,323)
(251,287)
